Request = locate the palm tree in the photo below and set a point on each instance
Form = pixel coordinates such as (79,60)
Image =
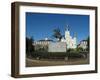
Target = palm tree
(57,34)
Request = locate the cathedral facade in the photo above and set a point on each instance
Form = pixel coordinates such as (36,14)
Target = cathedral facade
(71,42)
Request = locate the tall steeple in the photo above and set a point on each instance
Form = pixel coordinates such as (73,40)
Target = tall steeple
(67,28)
(75,39)
(75,34)
(67,32)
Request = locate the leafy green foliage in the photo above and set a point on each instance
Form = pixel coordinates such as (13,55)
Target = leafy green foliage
(29,45)
(79,49)
(56,55)
(57,34)
(88,43)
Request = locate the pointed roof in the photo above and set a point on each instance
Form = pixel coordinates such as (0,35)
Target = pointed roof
(67,28)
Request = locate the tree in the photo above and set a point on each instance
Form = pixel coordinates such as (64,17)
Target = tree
(29,45)
(79,49)
(57,34)
(88,43)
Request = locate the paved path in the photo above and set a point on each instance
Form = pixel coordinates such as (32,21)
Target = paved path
(34,63)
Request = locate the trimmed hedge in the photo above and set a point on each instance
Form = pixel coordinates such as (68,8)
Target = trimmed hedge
(57,55)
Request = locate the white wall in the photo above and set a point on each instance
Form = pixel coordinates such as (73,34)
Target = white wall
(5,37)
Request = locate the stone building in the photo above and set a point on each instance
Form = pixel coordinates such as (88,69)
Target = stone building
(83,44)
(42,44)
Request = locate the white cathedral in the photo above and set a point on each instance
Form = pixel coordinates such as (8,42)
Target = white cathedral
(71,42)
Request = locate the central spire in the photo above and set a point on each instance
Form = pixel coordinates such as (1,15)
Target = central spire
(67,28)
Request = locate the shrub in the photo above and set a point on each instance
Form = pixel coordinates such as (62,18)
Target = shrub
(56,55)
(49,54)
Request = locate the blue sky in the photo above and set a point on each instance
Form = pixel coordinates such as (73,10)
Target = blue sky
(41,25)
